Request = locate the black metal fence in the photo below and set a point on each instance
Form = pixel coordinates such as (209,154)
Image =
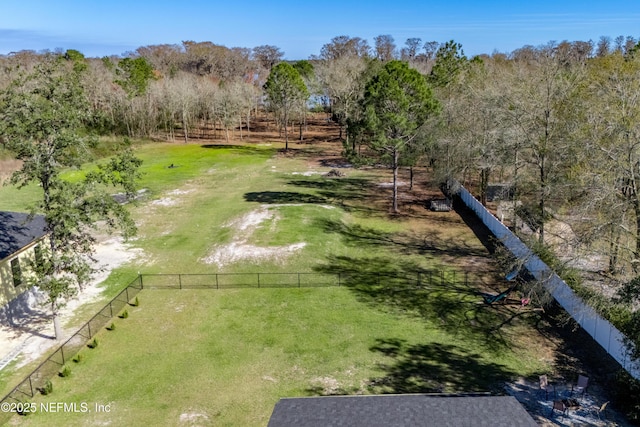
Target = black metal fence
(238,280)
(36,381)
(295,280)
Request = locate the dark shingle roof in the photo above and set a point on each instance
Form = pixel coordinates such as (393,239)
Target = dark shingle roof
(400,411)
(17,230)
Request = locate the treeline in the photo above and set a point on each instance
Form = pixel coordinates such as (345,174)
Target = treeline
(158,90)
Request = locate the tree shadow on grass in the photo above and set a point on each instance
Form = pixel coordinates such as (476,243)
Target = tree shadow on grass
(441,299)
(283,197)
(436,368)
(355,187)
(449,299)
(425,368)
(348,193)
(404,243)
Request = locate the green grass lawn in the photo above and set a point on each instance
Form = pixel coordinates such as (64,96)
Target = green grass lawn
(226,357)
(229,355)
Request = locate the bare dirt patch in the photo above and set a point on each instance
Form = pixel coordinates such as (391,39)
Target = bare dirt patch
(307,173)
(240,249)
(194,419)
(390,184)
(171,199)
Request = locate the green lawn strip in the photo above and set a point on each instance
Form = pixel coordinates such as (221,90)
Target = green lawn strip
(19,200)
(188,161)
(168,165)
(11,375)
(24,199)
(179,236)
(226,357)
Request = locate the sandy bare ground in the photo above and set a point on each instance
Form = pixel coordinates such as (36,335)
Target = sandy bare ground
(171,199)
(32,335)
(239,249)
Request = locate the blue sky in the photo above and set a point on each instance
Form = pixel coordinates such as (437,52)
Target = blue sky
(300,28)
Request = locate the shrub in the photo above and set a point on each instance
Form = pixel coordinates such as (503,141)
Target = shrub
(124,314)
(93,344)
(111,327)
(47,388)
(65,372)
(78,358)
(630,291)
(135,302)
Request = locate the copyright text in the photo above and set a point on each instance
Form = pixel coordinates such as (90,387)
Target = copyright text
(53,407)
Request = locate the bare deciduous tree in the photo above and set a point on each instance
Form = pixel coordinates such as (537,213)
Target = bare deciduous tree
(538,106)
(341,46)
(611,177)
(411,49)
(343,79)
(385,47)
(267,56)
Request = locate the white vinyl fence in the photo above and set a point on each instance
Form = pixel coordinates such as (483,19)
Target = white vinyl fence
(600,329)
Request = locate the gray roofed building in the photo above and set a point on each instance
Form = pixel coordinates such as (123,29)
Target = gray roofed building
(18,230)
(407,410)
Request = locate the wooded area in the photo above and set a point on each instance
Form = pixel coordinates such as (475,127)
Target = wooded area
(559,123)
